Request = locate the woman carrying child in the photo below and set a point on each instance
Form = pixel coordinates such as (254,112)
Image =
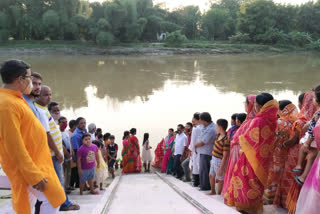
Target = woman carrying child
(310,192)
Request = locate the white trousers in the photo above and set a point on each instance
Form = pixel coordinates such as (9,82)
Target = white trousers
(195,163)
(46,207)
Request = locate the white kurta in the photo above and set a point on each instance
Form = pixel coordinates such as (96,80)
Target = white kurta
(195,157)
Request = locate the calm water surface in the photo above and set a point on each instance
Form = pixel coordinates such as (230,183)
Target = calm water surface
(157,93)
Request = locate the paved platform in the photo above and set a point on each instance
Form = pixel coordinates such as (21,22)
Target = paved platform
(145,194)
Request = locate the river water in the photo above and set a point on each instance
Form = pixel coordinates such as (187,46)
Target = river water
(154,93)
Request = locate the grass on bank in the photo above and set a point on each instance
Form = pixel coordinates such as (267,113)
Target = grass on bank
(82,45)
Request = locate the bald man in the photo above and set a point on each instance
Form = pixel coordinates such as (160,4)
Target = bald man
(54,140)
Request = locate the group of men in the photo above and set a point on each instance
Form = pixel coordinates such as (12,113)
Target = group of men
(32,152)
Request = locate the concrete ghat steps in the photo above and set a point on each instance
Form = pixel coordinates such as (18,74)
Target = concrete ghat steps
(149,193)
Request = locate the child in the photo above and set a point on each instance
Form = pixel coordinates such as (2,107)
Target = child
(112,150)
(101,172)
(87,156)
(232,131)
(146,153)
(220,155)
(240,118)
(309,149)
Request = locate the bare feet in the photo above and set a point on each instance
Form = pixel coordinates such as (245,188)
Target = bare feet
(211,193)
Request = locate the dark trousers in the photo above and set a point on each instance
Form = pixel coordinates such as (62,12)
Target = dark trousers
(196,180)
(186,170)
(177,166)
(74,180)
(204,171)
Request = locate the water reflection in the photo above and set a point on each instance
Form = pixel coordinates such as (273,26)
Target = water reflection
(156,93)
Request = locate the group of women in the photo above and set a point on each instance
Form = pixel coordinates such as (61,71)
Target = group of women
(264,151)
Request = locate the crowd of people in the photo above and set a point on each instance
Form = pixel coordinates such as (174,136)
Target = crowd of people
(43,160)
(269,155)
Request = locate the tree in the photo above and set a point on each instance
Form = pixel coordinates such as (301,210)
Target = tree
(189,19)
(51,23)
(217,22)
(104,38)
(308,18)
(258,19)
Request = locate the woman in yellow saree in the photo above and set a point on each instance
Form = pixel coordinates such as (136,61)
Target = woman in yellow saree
(250,174)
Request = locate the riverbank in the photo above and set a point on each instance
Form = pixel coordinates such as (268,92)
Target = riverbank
(136,49)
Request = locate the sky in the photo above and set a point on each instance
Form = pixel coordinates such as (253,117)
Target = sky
(204,4)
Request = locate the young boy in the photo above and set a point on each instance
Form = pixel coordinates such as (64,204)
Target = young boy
(232,131)
(220,155)
(240,118)
(112,150)
(87,156)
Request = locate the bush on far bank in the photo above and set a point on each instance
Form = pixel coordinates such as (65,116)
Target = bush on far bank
(176,38)
(104,39)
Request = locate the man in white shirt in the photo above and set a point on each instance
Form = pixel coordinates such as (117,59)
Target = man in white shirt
(195,157)
(181,143)
(92,130)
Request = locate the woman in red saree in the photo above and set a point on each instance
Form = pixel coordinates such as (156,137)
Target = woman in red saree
(287,178)
(131,161)
(157,162)
(167,150)
(250,173)
(288,115)
(135,150)
(235,146)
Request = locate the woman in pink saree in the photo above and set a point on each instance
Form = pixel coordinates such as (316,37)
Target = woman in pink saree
(235,146)
(250,173)
(167,150)
(309,197)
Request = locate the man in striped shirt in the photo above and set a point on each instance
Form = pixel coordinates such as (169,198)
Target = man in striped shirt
(54,141)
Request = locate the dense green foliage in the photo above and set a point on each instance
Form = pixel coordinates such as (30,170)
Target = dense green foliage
(127,21)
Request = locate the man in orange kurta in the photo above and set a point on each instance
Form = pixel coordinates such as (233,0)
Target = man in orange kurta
(24,152)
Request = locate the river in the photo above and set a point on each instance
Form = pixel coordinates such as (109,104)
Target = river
(155,93)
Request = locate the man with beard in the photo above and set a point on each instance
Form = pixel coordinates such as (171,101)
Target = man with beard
(36,82)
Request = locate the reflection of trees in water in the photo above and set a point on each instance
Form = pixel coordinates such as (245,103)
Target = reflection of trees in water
(125,78)
(253,74)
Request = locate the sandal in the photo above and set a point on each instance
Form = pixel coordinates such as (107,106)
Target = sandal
(94,193)
(71,207)
(298,180)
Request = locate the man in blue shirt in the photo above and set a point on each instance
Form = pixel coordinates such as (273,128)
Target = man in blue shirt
(76,141)
(204,148)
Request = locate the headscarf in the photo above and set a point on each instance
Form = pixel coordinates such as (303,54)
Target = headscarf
(307,111)
(251,113)
(289,113)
